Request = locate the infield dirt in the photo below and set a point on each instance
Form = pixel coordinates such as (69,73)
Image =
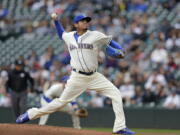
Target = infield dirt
(28,129)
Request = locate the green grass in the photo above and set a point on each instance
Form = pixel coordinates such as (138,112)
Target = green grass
(157,130)
(139,130)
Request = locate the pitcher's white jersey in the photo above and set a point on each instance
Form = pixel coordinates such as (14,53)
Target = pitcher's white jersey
(84,51)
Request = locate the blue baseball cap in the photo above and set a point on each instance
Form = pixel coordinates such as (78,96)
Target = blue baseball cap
(64,78)
(81,17)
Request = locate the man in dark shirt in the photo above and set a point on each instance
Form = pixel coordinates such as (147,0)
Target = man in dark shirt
(17,84)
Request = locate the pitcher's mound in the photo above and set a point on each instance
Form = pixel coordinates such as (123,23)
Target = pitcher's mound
(28,129)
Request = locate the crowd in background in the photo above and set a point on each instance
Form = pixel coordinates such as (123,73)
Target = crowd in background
(148,76)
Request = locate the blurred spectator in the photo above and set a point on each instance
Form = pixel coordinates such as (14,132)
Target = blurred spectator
(85,98)
(110,62)
(4,97)
(159,55)
(127,91)
(137,6)
(97,101)
(46,60)
(38,5)
(138,31)
(152,20)
(43,28)
(137,98)
(155,79)
(107,102)
(137,77)
(3,12)
(149,98)
(161,93)
(33,60)
(64,57)
(123,66)
(3,79)
(118,81)
(172,101)
(28,3)
(173,40)
(29,35)
(171,64)
(33,99)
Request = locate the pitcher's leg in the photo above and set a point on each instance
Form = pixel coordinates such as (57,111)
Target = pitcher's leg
(106,88)
(115,95)
(53,106)
(74,88)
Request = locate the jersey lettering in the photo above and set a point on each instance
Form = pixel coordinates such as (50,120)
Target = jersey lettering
(81,46)
(72,47)
(85,46)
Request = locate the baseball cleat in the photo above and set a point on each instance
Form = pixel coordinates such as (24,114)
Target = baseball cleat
(22,118)
(125,131)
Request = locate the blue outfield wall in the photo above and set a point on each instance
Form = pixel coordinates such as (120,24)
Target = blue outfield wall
(135,118)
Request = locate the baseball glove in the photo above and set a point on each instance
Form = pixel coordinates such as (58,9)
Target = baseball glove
(120,55)
(82,113)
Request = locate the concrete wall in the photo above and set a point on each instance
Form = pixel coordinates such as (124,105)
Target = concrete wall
(135,117)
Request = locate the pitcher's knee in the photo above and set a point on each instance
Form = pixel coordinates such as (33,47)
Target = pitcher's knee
(117,96)
(59,100)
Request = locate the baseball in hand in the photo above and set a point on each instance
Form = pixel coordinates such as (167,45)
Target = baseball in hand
(54,16)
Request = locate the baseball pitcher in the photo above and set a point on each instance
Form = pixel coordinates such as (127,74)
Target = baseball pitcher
(83,46)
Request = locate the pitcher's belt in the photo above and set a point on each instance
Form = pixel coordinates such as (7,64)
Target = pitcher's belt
(84,73)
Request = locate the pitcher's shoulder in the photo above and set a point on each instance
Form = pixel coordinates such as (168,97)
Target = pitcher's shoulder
(67,35)
(95,32)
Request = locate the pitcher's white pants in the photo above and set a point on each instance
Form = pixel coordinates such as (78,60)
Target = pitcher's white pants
(76,85)
(68,109)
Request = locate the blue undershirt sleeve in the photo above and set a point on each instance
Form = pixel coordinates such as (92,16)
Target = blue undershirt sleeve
(113,51)
(116,45)
(59,29)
